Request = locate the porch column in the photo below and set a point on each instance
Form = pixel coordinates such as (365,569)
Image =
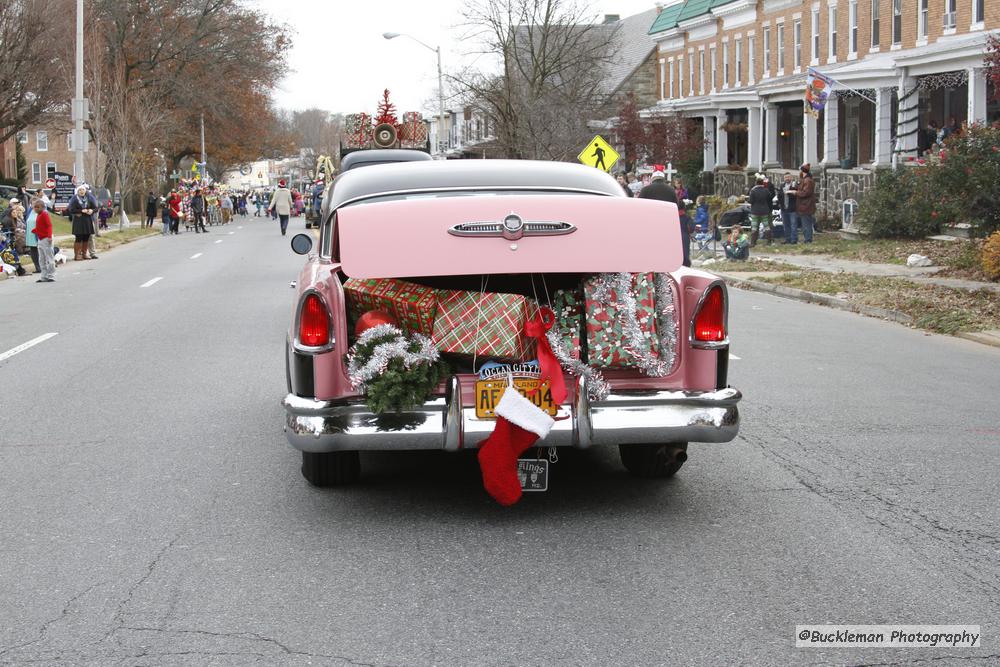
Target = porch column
(810,152)
(753,137)
(771,138)
(708,150)
(907,122)
(883,126)
(977,95)
(721,142)
(831,131)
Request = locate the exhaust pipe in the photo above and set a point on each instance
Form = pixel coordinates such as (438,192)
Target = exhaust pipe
(677,454)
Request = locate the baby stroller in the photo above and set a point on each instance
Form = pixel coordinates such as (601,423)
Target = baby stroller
(9,255)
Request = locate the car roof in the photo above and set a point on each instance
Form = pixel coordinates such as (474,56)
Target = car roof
(471,175)
(365,158)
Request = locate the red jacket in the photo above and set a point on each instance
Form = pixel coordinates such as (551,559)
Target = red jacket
(43,225)
(175,205)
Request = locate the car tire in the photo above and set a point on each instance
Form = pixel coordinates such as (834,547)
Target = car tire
(653,461)
(331,468)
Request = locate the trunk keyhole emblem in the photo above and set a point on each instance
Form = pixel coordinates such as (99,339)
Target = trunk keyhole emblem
(513,227)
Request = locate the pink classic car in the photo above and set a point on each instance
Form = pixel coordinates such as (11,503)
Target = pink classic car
(643,341)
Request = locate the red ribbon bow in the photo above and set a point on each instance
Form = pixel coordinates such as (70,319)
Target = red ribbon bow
(547,362)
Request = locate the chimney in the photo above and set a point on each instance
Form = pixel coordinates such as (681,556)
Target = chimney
(612,18)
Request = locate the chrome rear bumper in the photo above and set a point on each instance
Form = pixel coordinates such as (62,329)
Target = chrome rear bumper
(444,423)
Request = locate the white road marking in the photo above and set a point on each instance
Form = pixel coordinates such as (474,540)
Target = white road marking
(733,356)
(24,346)
(231,233)
(150,283)
(197,255)
(239,228)
(219,241)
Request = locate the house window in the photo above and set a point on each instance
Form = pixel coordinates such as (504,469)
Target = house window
(852,27)
(691,72)
(897,21)
(701,71)
(22,137)
(875,24)
(711,57)
(978,11)
(36,172)
(42,140)
(781,49)
(751,58)
(797,43)
(922,20)
(815,34)
(950,12)
(680,78)
(725,64)
(832,53)
(50,170)
(670,88)
(738,45)
(767,51)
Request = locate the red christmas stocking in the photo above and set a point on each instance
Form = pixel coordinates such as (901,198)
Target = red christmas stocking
(520,423)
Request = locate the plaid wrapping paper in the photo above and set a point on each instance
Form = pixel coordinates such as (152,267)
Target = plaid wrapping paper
(606,343)
(486,324)
(412,305)
(568,308)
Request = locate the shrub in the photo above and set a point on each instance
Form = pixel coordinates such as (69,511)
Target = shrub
(966,185)
(899,205)
(991,256)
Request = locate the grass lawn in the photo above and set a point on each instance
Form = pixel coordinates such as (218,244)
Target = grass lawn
(107,239)
(932,307)
(960,259)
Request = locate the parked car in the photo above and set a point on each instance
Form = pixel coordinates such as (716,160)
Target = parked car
(519,227)
(368,158)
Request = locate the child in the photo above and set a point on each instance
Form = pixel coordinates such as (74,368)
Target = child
(103,215)
(164,216)
(43,230)
(686,227)
(702,237)
(737,244)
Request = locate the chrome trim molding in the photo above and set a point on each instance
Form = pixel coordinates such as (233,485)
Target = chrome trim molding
(444,423)
(711,345)
(500,229)
(474,188)
(296,343)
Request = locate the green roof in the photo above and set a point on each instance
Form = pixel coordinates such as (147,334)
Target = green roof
(693,8)
(719,3)
(667,18)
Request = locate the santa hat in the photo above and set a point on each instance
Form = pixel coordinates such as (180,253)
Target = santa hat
(281,183)
(520,423)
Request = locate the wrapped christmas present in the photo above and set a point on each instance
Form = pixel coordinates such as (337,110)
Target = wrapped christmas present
(568,308)
(413,306)
(485,324)
(621,320)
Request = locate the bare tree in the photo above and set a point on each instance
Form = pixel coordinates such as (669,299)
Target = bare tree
(30,53)
(553,61)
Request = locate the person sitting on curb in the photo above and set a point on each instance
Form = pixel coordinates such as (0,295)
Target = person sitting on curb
(737,244)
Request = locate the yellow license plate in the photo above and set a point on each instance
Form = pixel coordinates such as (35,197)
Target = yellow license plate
(488,393)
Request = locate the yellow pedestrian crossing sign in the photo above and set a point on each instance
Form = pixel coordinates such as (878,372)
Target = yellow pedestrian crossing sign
(599,154)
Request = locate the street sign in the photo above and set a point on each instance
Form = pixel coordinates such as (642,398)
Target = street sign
(599,153)
(50,183)
(64,189)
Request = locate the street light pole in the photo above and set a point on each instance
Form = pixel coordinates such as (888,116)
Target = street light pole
(79,104)
(437,50)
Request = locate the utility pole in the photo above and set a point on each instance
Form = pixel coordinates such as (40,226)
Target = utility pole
(440,100)
(204,160)
(80,106)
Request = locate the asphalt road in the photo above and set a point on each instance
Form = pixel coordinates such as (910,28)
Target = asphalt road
(151,512)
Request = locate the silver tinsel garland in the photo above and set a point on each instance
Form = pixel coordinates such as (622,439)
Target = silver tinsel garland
(360,371)
(666,321)
(597,387)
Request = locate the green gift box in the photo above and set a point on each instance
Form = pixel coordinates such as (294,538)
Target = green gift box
(414,306)
(568,308)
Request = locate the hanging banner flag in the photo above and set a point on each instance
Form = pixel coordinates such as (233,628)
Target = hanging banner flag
(817,90)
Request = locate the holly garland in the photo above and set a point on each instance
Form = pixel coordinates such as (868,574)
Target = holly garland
(396,372)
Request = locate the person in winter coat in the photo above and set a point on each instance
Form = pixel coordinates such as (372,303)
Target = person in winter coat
(622,182)
(150,208)
(786,204)
(46,258)
(760,213)
(81,209)
(198,210)
(658,189)
(281,203)
(687,226)
(30,238)
(174,204)
(805,203)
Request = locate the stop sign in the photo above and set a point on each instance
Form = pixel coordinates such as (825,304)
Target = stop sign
(50,183)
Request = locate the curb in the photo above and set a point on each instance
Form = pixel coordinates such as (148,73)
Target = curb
(813,297)
(980,337)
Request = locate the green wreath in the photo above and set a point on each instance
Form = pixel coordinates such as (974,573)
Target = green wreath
(397,372)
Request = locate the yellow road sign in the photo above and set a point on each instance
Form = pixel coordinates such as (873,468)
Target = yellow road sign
(598,153)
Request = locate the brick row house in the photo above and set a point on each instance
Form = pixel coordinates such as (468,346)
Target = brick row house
(738,68)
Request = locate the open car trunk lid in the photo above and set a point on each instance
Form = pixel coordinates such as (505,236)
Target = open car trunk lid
(463,235)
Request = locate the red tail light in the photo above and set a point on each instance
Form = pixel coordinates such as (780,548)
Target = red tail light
(314,322)
(710,320)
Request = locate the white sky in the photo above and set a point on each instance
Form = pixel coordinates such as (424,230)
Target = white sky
(340,62)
